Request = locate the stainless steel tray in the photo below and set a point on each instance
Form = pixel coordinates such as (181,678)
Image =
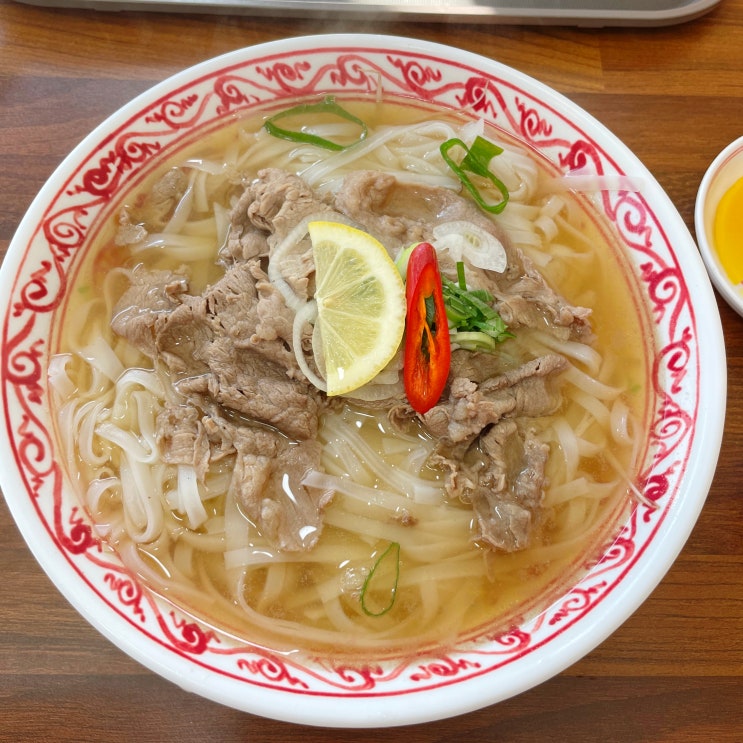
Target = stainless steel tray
(533,12)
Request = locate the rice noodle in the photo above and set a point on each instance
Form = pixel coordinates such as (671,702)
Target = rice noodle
(581,180)
(180,247)
(338,162)
(140,499)
(85,427)
(102,358)
(581,352)
(590,385)
(183,208)
(58,377)
(189,498)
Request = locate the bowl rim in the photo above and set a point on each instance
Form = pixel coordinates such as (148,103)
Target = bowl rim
(542,663)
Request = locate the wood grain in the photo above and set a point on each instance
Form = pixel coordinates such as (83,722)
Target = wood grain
(674,670)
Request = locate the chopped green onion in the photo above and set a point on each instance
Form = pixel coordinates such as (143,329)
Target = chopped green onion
(460,276)
(327,106)
(477,160)
(476,325)
(391,553)
(471,341)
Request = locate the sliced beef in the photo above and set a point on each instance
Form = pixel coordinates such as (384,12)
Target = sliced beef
(396,215)
(267,483)
(181,336)
(244,240)
(275,320)
(243,308)
(266,476)
(151,295)
(231,304)
(152,212)
(272,206)
(182,438)
(491,458)
(211,346)
(277,201)
(241,395)
(229,353)
(476,365)
(471,407)
(486,401)
(528,300)
(224,359)
(399,214)
(502,476)
(509,494)
(249,383)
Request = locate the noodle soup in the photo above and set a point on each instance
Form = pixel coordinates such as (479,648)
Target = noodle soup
(398,564)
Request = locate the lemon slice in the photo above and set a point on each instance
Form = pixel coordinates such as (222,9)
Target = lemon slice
(360,304)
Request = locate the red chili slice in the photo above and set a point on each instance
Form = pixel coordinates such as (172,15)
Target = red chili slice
(427,346)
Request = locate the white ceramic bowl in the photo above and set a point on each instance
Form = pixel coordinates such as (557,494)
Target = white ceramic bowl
(688,385)
(724,171)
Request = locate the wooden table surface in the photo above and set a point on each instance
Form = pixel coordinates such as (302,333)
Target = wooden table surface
(674,670)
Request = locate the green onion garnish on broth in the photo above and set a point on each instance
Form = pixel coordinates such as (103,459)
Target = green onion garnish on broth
(327,106)
(382,578)
(476,160)
(476,326)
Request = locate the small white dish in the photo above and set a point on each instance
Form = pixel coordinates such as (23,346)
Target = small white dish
(725,170)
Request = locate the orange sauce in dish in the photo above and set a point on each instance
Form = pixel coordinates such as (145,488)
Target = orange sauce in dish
(728,231)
